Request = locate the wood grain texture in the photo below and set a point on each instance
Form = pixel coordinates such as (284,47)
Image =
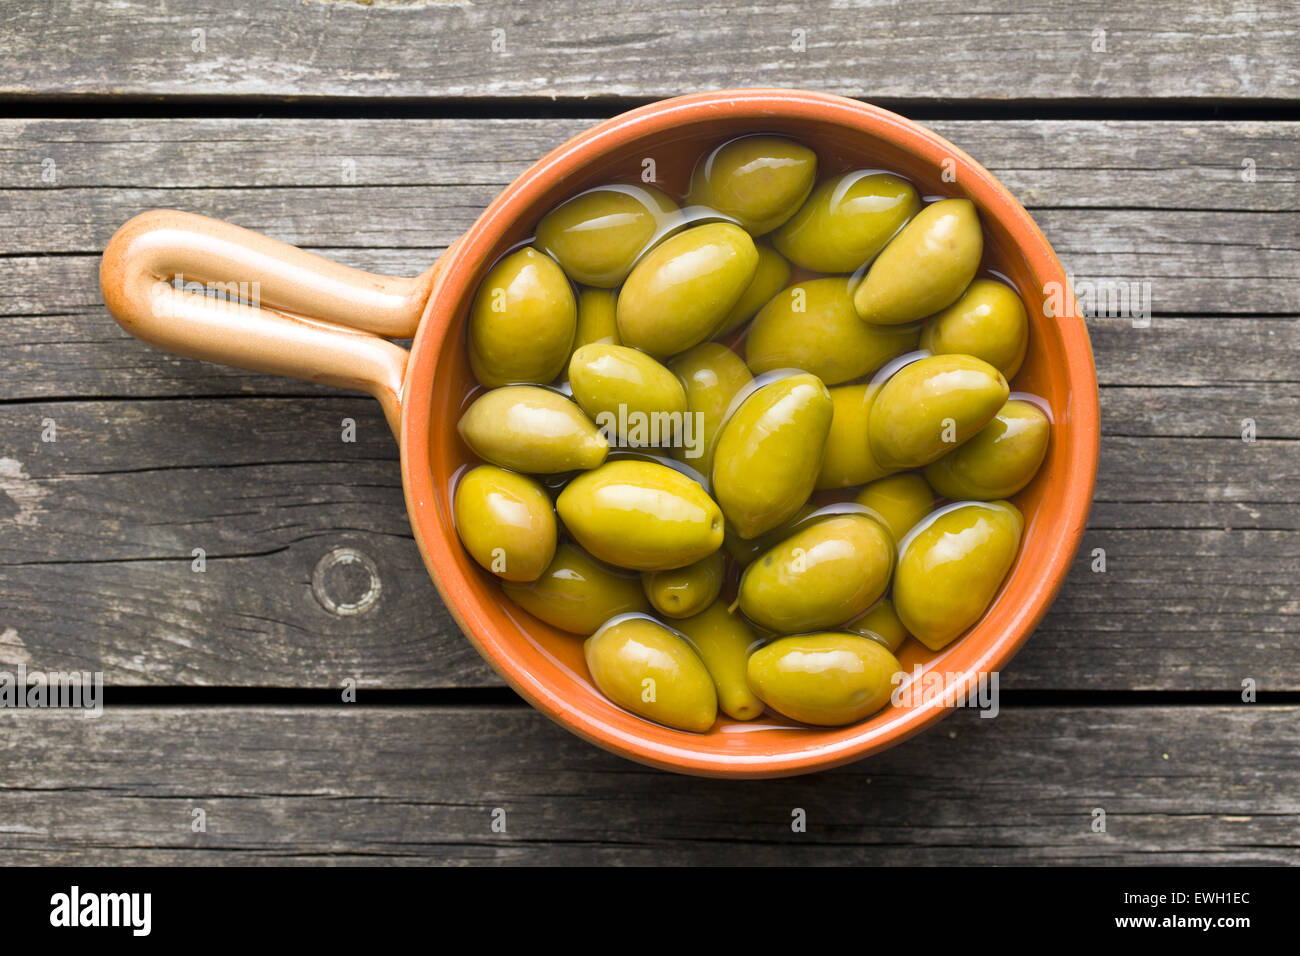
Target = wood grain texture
(564,50)
(57,342)
(96,567)
(158,455)
(1134,202)
(359,785)
(1138,164)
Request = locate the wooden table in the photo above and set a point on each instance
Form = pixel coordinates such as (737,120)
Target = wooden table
(1154,143)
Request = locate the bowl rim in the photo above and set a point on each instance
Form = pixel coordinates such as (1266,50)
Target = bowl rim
(454,273)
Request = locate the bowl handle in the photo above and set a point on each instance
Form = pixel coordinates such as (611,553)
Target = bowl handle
(210,290)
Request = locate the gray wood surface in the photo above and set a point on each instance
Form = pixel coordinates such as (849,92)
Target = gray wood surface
(567,50)
(158,455)
(355,784)
(1148,202)
(97,565)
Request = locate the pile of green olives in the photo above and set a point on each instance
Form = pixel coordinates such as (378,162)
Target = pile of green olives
(749,438)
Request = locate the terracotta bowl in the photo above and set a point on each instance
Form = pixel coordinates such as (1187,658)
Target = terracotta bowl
(306,301)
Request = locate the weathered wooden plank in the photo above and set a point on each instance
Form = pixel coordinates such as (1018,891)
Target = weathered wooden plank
(354,784)
(99,529)
(58,342)
(146,478)
(1195,262)
(561,49)
(1213,165)
(1175,610)
(1166,203)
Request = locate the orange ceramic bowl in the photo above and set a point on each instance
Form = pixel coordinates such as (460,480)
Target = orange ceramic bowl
(311,300)
(546,665)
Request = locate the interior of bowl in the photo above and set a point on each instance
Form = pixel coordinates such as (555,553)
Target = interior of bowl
(546,665)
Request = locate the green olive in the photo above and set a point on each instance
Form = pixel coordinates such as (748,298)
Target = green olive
(760,181)
(770,277)
(952,566)
(596,321)
(577,593)
(828,679)
(682,592)
(880,623)
(505,521)
(900,500)
(846,221)
(767,455)
(925,267)
(598,235)
(1000,460)
(681,291)
(628,394)
(641,515)
(522,322)
(848,458)
(931,406)
(724,641)
(824,575)
(643,667)
(712,374)
(813,326)
(531,429)
(989,322)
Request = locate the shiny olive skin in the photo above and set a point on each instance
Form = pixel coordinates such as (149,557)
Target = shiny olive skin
(821,576)
(596,321)
(712,375)
(925,268)
(989,321)
(880,623)
(770,276)
(931,406)
(848,459)
(813,326)
(828,679)
(760,181)
(682,592)
(641,515)
(846,220)
(999,461)
(598,235)
(724,641)
(681,291)
(533,430)
(618,386)
(767,455)
(577,593)
(643,667)
(952,566)
(522,322)
(900,500)
(506,522)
